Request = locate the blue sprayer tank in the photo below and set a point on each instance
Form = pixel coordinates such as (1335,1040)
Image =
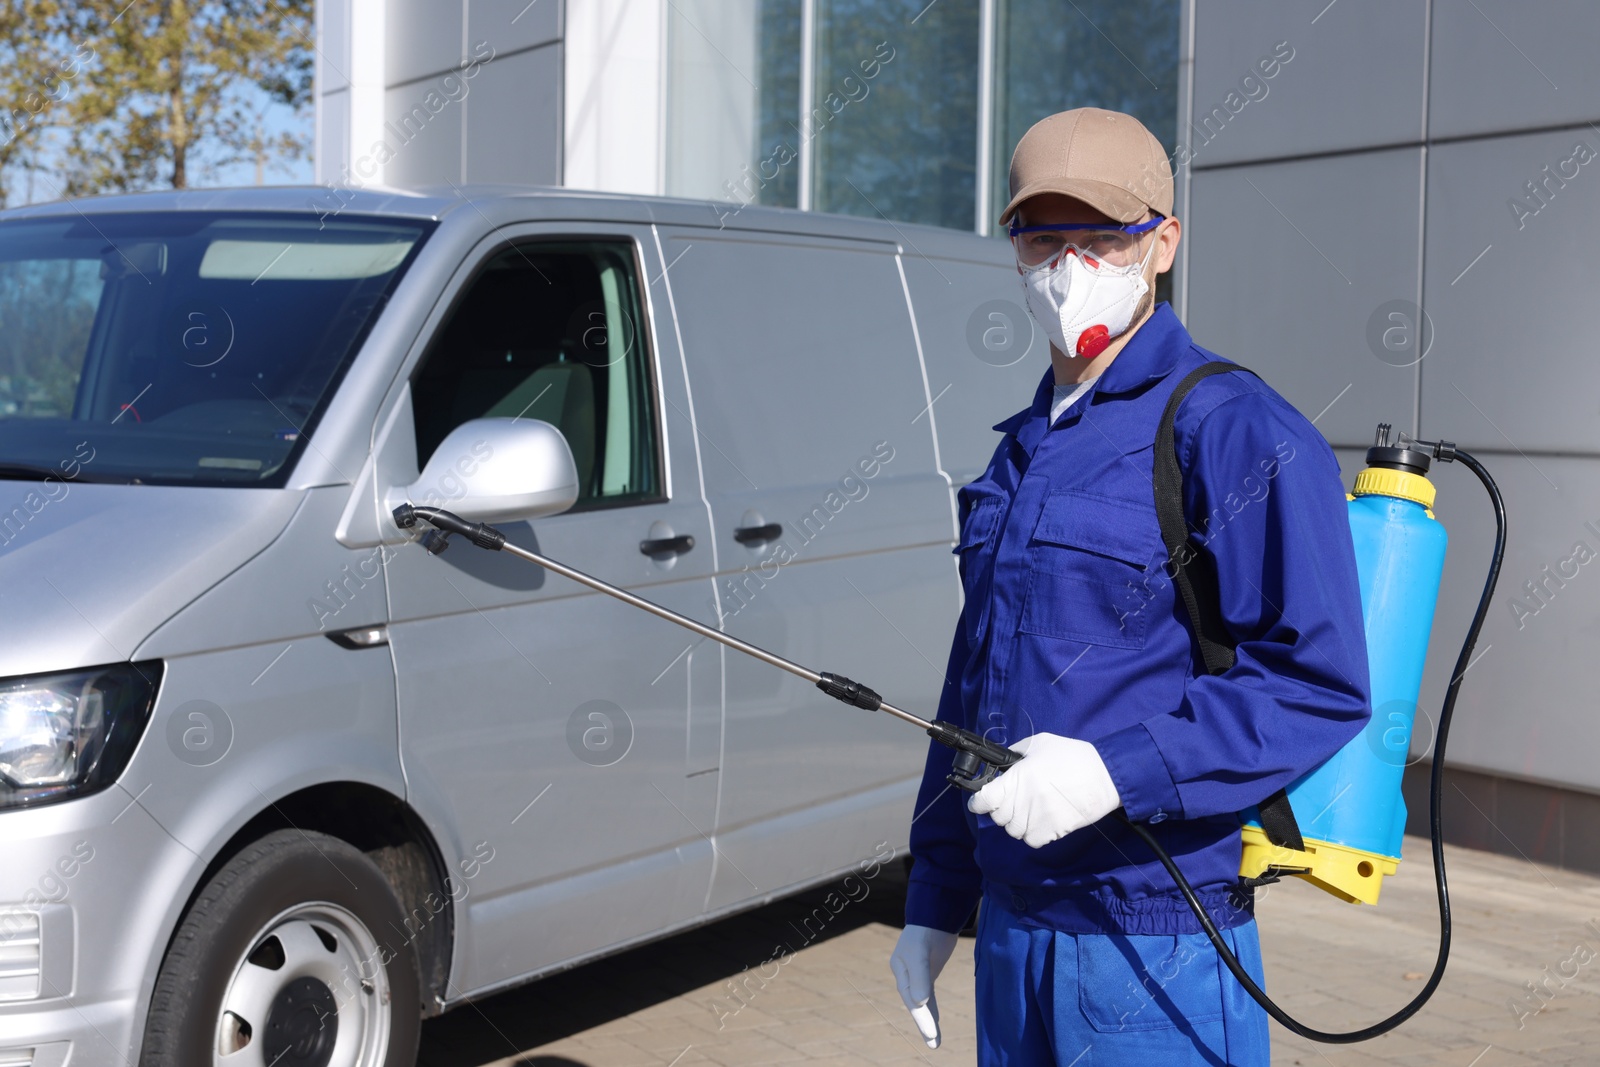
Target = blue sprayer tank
(1349,810)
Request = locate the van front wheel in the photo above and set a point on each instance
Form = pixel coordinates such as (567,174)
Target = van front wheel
(291,956)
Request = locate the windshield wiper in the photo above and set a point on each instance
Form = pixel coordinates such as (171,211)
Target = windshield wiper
(28,472)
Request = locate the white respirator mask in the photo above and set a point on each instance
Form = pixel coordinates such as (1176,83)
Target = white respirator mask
(1081,300)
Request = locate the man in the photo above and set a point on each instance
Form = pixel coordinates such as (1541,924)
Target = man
(1074,648)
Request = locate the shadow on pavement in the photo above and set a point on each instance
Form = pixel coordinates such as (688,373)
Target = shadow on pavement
(557,1007)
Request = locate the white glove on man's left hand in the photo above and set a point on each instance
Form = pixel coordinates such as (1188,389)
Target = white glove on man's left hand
(919,956)
(1060,785)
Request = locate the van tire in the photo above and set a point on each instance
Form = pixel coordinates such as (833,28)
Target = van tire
(295,882)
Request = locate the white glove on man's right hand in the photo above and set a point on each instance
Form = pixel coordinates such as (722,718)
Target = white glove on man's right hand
(918,957)
(1060,785)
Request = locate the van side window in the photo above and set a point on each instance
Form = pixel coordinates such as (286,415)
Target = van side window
(551,331)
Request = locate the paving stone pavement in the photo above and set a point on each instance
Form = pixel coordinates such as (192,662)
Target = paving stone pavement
(1523,986)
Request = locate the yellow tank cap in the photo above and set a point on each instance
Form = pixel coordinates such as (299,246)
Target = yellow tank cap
(1353,875)
(1383,481)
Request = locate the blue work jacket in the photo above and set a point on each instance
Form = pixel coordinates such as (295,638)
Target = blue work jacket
(1071,625)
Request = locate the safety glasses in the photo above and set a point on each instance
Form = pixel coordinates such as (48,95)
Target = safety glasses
(1118,246)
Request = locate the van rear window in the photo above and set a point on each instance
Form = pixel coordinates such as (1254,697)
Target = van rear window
(182,347)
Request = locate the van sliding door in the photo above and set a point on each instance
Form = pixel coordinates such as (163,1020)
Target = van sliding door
(833,531)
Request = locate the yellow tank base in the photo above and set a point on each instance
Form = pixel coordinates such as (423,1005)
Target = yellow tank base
(1353,875)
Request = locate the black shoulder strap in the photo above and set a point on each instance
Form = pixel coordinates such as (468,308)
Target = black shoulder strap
(1191,572)
(1189,569)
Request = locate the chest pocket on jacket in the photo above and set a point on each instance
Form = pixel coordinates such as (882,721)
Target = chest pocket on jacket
(1095,569)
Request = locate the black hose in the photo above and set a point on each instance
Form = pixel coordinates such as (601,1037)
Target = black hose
(1435,802)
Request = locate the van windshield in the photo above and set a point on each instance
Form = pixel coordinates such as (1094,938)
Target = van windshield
(183,347)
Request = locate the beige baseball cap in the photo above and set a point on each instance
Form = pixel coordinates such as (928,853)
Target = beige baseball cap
(1106,159)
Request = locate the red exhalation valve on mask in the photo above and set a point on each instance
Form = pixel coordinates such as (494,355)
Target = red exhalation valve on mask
(1093,341)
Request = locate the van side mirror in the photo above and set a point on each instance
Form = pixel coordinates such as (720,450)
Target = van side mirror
(496,470)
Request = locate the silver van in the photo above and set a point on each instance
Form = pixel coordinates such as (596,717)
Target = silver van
(275,782)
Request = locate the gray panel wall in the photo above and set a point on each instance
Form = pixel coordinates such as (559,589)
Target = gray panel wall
(473,91)
(1528,704)
(514,119)
(1343,75)
(1514,362)
(1485,212)
(423,126)
(421,37)
(1511,65)
(427,37)
(1289,263)
(512,25)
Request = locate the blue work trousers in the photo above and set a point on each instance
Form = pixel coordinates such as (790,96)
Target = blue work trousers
(1097,1000)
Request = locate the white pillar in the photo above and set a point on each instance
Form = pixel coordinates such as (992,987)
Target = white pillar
(614,100)
(348,92)
(364,165)
(713,103)
(808,92)
(985,155)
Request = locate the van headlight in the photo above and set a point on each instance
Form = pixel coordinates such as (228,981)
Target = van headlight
(71,733)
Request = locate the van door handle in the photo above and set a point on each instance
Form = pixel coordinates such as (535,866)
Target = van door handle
(657,546)
(755,535)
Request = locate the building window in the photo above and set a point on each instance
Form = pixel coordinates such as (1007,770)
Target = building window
(1121,55)
(733,100)
(891,127)
(778,165)
(894,110)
